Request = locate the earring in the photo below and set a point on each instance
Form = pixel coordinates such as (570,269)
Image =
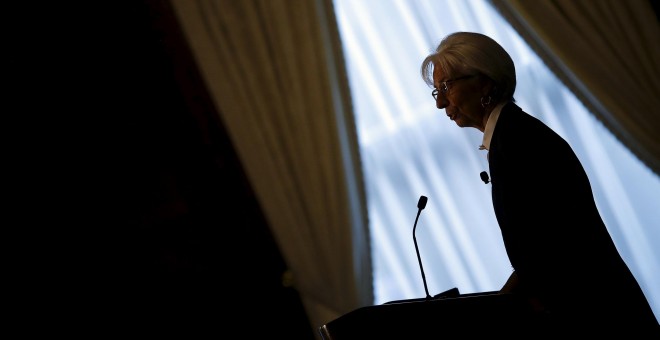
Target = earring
(486,103)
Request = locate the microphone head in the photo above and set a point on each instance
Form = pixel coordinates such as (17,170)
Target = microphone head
(484,177)
(421,204)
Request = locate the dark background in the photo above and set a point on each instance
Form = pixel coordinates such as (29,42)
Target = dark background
(169,238)
(199,250)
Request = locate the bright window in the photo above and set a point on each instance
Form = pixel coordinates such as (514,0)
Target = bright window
(409,148)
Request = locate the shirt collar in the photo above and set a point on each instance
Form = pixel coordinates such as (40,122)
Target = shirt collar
(490,126)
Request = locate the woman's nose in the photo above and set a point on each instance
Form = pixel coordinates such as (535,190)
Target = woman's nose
(441,102)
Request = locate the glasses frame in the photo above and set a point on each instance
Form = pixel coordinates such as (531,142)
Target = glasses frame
(444,86)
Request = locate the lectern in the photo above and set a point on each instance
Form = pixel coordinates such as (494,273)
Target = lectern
(465,316)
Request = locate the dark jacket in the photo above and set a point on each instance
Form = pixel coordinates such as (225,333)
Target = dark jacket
(553,233)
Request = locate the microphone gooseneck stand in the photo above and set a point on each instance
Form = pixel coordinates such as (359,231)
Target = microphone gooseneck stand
(420,205)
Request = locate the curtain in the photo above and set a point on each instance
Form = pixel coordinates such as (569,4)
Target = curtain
(274,69)
(607,53)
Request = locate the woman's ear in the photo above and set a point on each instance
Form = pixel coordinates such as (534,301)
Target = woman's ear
(494,92)
(488,88)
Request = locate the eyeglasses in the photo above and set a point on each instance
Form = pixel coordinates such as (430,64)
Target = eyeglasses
(444,86)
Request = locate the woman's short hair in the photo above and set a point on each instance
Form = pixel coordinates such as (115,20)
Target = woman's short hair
(473,53)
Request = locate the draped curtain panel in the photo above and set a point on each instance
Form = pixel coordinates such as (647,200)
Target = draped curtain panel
(275,71)
(607,52)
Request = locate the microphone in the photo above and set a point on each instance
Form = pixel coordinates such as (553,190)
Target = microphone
(421,204)
(484,177)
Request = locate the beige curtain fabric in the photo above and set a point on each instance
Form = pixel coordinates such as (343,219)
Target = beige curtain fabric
(275,71)
(608,53)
